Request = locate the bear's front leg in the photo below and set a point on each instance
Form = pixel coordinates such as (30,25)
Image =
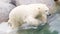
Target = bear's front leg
(32,21)
(44,19)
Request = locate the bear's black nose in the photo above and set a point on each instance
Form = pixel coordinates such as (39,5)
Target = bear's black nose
(49,15)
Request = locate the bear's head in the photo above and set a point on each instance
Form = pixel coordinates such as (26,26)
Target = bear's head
(44,10)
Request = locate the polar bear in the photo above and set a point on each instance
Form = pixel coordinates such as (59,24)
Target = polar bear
(32,14)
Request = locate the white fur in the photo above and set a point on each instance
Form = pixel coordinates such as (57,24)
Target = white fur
(27,14)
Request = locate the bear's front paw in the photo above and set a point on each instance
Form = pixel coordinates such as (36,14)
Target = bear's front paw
(28,26)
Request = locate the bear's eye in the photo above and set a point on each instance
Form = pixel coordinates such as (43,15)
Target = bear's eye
(38,8)
(25,22)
